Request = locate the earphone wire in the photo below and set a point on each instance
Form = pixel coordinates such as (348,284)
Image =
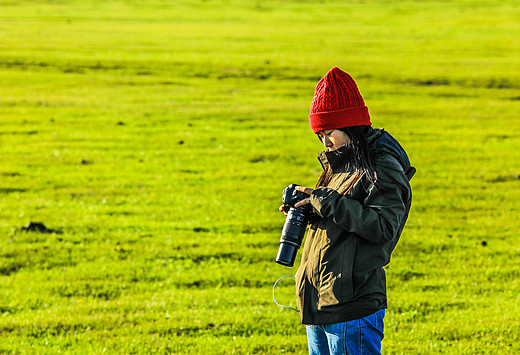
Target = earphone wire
(274,298)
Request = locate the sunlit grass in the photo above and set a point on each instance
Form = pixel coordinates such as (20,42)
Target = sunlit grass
(158,139)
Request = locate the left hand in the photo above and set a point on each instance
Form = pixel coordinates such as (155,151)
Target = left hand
(306,190)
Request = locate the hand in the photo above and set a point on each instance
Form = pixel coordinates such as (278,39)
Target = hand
(282,210)
(305,190)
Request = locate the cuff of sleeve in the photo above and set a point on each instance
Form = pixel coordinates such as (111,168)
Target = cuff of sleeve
(318,196)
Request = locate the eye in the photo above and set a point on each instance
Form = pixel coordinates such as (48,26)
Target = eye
(322,134)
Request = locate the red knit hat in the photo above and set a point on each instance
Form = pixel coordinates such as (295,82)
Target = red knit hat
(337,103)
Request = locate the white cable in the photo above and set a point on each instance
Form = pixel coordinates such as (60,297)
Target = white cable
(274,298)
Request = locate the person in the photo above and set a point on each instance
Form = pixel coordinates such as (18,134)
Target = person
(360,203)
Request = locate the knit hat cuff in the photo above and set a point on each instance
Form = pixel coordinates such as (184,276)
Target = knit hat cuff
(352,116)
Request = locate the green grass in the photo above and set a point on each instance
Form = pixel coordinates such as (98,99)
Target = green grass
(158,138)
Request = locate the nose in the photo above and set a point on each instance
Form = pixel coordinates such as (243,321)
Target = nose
(326,142)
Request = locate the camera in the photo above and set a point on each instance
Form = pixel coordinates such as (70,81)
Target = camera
(295,225)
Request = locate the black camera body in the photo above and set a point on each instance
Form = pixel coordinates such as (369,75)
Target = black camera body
(295,225)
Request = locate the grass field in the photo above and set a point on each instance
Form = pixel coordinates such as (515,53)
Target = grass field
(156,138)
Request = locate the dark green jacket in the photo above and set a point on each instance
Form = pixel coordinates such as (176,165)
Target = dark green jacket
(341,275)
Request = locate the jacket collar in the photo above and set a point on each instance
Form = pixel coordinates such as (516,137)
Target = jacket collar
(337,159)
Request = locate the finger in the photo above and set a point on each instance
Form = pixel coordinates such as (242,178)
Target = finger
(303,189)
(303,202)
(282,210)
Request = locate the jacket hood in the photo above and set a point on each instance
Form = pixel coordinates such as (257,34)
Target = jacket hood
(383,142)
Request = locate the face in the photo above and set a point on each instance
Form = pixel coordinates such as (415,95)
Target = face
(333,138)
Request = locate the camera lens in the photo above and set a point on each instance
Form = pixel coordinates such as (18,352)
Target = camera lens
(292,235)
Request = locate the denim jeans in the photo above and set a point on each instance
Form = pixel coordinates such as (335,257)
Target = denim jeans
(357,337)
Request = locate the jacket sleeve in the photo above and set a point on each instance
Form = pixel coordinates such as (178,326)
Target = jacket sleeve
(379,217)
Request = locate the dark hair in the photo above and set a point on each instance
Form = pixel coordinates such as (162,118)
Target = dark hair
(361,158)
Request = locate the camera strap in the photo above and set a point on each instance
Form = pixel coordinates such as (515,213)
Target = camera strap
(274,298)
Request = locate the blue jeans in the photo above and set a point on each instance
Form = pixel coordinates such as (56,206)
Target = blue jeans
(357,337)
